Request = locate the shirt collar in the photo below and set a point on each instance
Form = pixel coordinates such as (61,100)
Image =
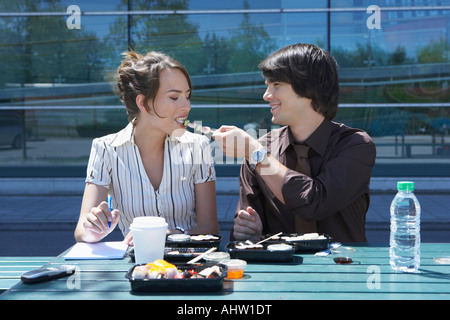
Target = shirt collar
(285,139)
(187,137)
(126,135)
(318,140)
(123,136)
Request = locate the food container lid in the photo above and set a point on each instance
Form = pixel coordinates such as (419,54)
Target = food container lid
(178,237)
(217,256)
(234,264)
(279,247)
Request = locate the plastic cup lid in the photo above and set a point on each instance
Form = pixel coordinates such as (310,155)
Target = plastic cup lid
(148,222)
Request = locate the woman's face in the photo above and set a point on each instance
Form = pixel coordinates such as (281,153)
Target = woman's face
(172,102)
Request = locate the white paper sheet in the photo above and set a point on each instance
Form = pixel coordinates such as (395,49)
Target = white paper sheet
(99,250)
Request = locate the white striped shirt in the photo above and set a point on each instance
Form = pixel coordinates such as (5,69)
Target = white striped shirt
(115,163)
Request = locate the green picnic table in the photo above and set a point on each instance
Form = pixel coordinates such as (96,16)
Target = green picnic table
(11,268)
(306,277)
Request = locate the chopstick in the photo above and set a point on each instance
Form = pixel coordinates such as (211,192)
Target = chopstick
(270,237)
(202,255)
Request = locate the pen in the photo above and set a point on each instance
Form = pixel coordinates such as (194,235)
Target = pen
(110,207)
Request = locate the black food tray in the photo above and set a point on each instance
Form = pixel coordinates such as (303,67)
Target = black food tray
(195,243)
(313,245)
(184,253)
(261,255)
(183,285)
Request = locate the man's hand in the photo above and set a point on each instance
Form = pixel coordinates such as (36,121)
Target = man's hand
(248,225)
(235,142)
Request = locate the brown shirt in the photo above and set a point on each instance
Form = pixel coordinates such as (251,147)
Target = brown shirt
(336,195)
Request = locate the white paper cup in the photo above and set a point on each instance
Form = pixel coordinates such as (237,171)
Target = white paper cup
(149,237)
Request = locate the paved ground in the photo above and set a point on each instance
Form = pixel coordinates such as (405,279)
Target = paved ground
(44,225)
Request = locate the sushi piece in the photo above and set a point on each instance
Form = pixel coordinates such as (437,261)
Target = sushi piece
(211,272)
(162,269)
(159,269)
(140,272)
(248,245)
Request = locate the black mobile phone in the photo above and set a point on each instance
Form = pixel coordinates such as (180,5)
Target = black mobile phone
(47,273)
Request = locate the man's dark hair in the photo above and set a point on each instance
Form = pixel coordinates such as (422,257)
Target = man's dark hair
(311,71)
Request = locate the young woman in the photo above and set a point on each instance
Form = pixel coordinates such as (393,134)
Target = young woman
(153,167)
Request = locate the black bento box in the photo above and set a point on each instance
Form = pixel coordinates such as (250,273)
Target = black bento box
(182,254)
(193,242)
(183,285)
(261,255)
(308,245)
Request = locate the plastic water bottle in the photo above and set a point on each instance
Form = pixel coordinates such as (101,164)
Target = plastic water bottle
(405,229)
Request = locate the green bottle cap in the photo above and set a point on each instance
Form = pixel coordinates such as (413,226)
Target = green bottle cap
(405,186)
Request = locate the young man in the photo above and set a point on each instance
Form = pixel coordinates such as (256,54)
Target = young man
(326,193)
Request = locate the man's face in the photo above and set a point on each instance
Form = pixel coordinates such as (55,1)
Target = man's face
(286,106)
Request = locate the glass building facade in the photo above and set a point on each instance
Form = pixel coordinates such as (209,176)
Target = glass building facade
(58,60)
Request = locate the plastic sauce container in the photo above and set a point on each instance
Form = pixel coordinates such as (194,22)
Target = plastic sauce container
(216,257)
(279,247)
(235,268)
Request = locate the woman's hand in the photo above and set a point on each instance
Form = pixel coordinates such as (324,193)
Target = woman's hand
(129,239)
(94,215)
(98,219)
